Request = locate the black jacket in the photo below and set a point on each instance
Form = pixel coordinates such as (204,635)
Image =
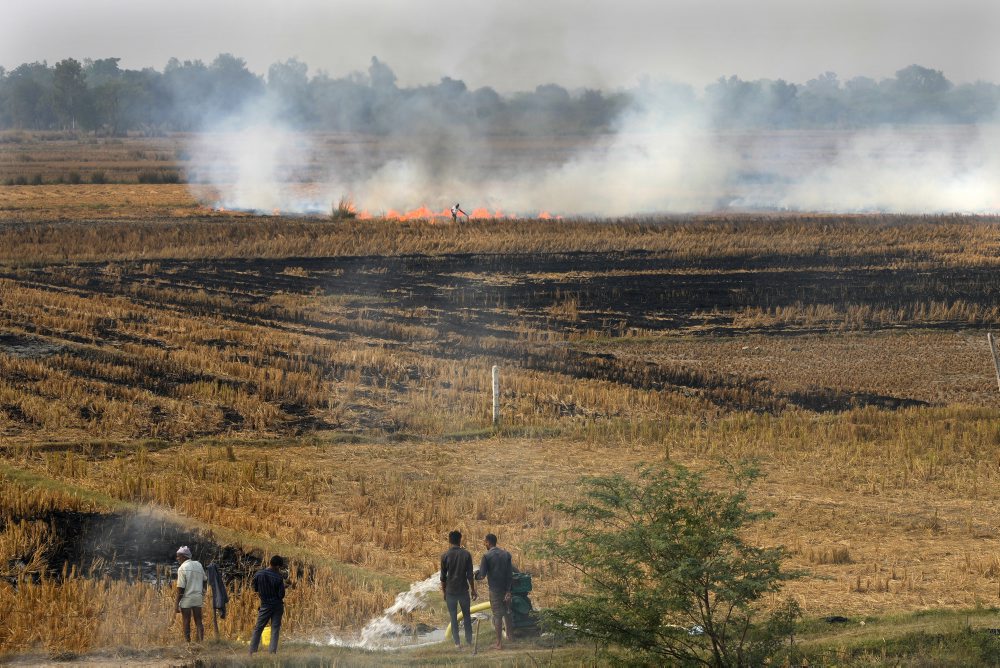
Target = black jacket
(270,586)
(220,597)
(456,570)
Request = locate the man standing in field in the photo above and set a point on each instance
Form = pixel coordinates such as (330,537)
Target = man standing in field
(497,566)
(191,581)
(455,210)
(456,581)
(270,587)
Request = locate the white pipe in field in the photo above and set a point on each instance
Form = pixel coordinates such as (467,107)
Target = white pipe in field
(496,395)
(989,339)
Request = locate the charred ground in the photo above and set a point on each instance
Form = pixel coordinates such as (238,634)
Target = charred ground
(555,313)
(321,390)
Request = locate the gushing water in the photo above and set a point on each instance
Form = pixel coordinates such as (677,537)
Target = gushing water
(383,632)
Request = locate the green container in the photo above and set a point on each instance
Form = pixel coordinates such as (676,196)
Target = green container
(521,583)
(520,605)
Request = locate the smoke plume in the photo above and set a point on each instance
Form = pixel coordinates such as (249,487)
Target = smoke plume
(661,150)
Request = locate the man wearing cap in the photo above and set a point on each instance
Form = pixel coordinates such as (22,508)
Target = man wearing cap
(191,581)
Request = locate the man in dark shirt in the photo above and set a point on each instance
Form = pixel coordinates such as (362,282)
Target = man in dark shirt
(456,581)
(497,566)
(270,586)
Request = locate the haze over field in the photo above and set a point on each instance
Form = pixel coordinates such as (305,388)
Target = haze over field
(662,151)
(679,107)
(518,44)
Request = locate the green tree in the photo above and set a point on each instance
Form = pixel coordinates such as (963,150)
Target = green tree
(670,579)
(922,81)
(920,94)
(188,89)
(232,85)
(70,95)
(101,71)
(381,76)
(288,83)
(28,96)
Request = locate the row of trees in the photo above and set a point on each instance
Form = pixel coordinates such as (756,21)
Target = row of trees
(99,95)
(190,95)
(915,95)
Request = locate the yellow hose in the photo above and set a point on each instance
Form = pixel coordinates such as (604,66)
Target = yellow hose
(478,607)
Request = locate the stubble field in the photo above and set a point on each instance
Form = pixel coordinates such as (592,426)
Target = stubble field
(321,389)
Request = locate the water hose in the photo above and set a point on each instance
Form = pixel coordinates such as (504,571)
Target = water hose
(478,607)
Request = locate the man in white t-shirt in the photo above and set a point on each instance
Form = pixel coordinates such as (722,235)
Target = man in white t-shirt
(191,581)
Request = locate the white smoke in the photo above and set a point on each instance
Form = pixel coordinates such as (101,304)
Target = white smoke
(657,162)
(663,156)
(930,170)
(252,163)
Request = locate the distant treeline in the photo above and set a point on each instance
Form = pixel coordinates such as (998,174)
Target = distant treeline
(97,95)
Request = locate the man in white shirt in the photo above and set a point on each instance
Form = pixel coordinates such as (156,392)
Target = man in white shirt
(191,581)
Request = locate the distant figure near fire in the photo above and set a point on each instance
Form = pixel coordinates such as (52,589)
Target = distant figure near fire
(191,581)
(457,209)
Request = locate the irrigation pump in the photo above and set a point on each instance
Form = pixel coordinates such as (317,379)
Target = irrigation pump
(522,614)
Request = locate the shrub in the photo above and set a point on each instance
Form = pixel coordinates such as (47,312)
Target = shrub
(98,177)
(36,179)
(344,209)
(73,177)
(149,176)
(670,578)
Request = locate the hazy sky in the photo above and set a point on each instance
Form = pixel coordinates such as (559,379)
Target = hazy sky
(518,44)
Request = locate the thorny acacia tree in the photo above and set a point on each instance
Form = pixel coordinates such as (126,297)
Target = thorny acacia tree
(670,578)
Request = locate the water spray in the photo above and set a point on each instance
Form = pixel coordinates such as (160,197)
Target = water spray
(382,632)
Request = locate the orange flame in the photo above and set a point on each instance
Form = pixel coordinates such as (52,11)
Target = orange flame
(421,212)
(425,213)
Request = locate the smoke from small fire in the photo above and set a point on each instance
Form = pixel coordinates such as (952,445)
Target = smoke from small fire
(662,155)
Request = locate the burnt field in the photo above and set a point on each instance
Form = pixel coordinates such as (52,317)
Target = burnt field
(295,344)
(122,546)
(261,384)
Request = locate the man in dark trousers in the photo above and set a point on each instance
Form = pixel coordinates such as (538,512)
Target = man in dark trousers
(497,566)
(456,581)
(270,586)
